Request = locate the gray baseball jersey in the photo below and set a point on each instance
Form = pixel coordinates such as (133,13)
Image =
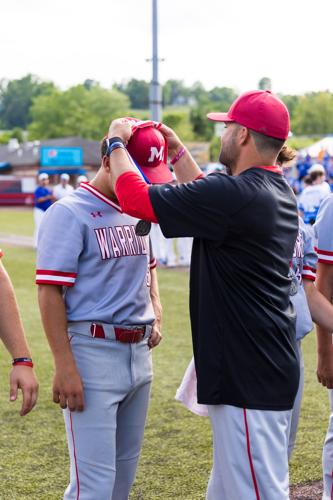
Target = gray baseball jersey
(89,246)
(303,266)
(323,231)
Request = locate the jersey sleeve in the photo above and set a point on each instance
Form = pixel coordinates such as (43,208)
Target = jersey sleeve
(310,256)
(60,242)
(202,208)
(324,231)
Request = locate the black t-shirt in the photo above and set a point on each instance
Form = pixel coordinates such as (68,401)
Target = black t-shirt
(243,325)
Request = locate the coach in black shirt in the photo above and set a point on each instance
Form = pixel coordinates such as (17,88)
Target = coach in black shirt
(243,326)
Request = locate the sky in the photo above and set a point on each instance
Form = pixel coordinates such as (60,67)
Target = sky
(230,43)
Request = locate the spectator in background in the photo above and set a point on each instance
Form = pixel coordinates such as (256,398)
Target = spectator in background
(63,188)
(81,178)
(312,195)
(43,200)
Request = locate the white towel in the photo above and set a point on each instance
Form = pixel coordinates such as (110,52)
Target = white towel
(187,392)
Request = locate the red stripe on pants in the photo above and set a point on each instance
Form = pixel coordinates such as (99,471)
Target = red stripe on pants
(250,457)
(75,459)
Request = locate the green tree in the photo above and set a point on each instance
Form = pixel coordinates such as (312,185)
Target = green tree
(175,93)
(77,111)
(313,114)
(16,97)
(179,121)
(137,91)
(265,83)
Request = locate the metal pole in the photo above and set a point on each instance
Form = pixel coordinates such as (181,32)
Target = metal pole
(155,89)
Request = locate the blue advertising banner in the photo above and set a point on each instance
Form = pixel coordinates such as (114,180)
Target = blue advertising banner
(61,157)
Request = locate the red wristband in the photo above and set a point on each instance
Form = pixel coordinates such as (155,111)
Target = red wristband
(24,363)
(178,156)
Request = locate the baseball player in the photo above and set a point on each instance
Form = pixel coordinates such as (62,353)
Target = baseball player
(12,335)
(243,325)
(43,200)
(101,312)
(63,188)
(324,283)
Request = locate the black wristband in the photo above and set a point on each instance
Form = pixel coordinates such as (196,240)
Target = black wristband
(111,140)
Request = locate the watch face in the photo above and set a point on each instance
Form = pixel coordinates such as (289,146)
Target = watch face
(142,228)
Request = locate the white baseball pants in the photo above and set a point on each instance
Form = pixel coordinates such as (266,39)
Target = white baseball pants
(250,454)
(105,439)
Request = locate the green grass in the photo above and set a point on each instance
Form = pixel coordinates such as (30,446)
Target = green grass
(18,221)
(176,456)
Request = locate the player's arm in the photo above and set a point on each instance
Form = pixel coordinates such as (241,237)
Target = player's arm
(12,335)
(321,309)
(155,337)
(324,285)
(67,384)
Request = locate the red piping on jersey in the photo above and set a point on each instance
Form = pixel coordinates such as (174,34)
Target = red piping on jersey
(250,456)
(96,192)
(133,196)
(323,252)
(56,273)
(75,459)
(271,168)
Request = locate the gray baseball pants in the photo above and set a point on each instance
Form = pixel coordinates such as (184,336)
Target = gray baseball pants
(250,454)
(105,439)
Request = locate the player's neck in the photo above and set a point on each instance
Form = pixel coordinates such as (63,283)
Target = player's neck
(101,183)
(254,160)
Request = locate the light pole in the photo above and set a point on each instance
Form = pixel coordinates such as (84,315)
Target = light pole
(155,89)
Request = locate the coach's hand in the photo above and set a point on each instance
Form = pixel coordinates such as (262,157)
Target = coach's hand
(24,378)
(325,369)
(155,336)
(172,139)
(68,388)
(121,127)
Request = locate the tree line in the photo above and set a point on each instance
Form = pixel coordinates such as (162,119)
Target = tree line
(45,111)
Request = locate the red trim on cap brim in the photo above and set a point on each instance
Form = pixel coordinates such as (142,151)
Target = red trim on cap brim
(158,175)
(219,117)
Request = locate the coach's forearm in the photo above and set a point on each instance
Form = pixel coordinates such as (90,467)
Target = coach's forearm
(185,169)
(11,327)
(119,164)
(53,313)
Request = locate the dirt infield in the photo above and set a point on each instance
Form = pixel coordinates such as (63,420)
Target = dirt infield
(309,491)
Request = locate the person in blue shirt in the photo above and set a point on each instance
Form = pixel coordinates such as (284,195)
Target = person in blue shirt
(43,200)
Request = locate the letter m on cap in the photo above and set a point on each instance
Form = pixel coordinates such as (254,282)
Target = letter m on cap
(156,154)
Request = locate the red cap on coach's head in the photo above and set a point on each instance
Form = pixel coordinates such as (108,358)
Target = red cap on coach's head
(258,110)
(149,150)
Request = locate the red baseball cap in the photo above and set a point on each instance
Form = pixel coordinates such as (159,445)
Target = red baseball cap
(258,110)
(149,150)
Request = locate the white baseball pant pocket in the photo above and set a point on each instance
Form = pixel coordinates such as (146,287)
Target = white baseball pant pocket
(250,454)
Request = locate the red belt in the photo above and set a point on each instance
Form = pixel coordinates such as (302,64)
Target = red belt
(126,335)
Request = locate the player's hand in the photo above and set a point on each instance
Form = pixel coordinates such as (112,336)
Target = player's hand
(121,127)
(172,139)
(23,377)
(68,389)
(155,336)
(325,370)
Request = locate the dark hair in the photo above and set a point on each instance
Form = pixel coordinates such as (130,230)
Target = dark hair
(104,147)
(314,175)
(286,155)
(265,144)
(307,180)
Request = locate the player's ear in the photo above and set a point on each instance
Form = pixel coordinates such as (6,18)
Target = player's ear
(243,135)
(106,163)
